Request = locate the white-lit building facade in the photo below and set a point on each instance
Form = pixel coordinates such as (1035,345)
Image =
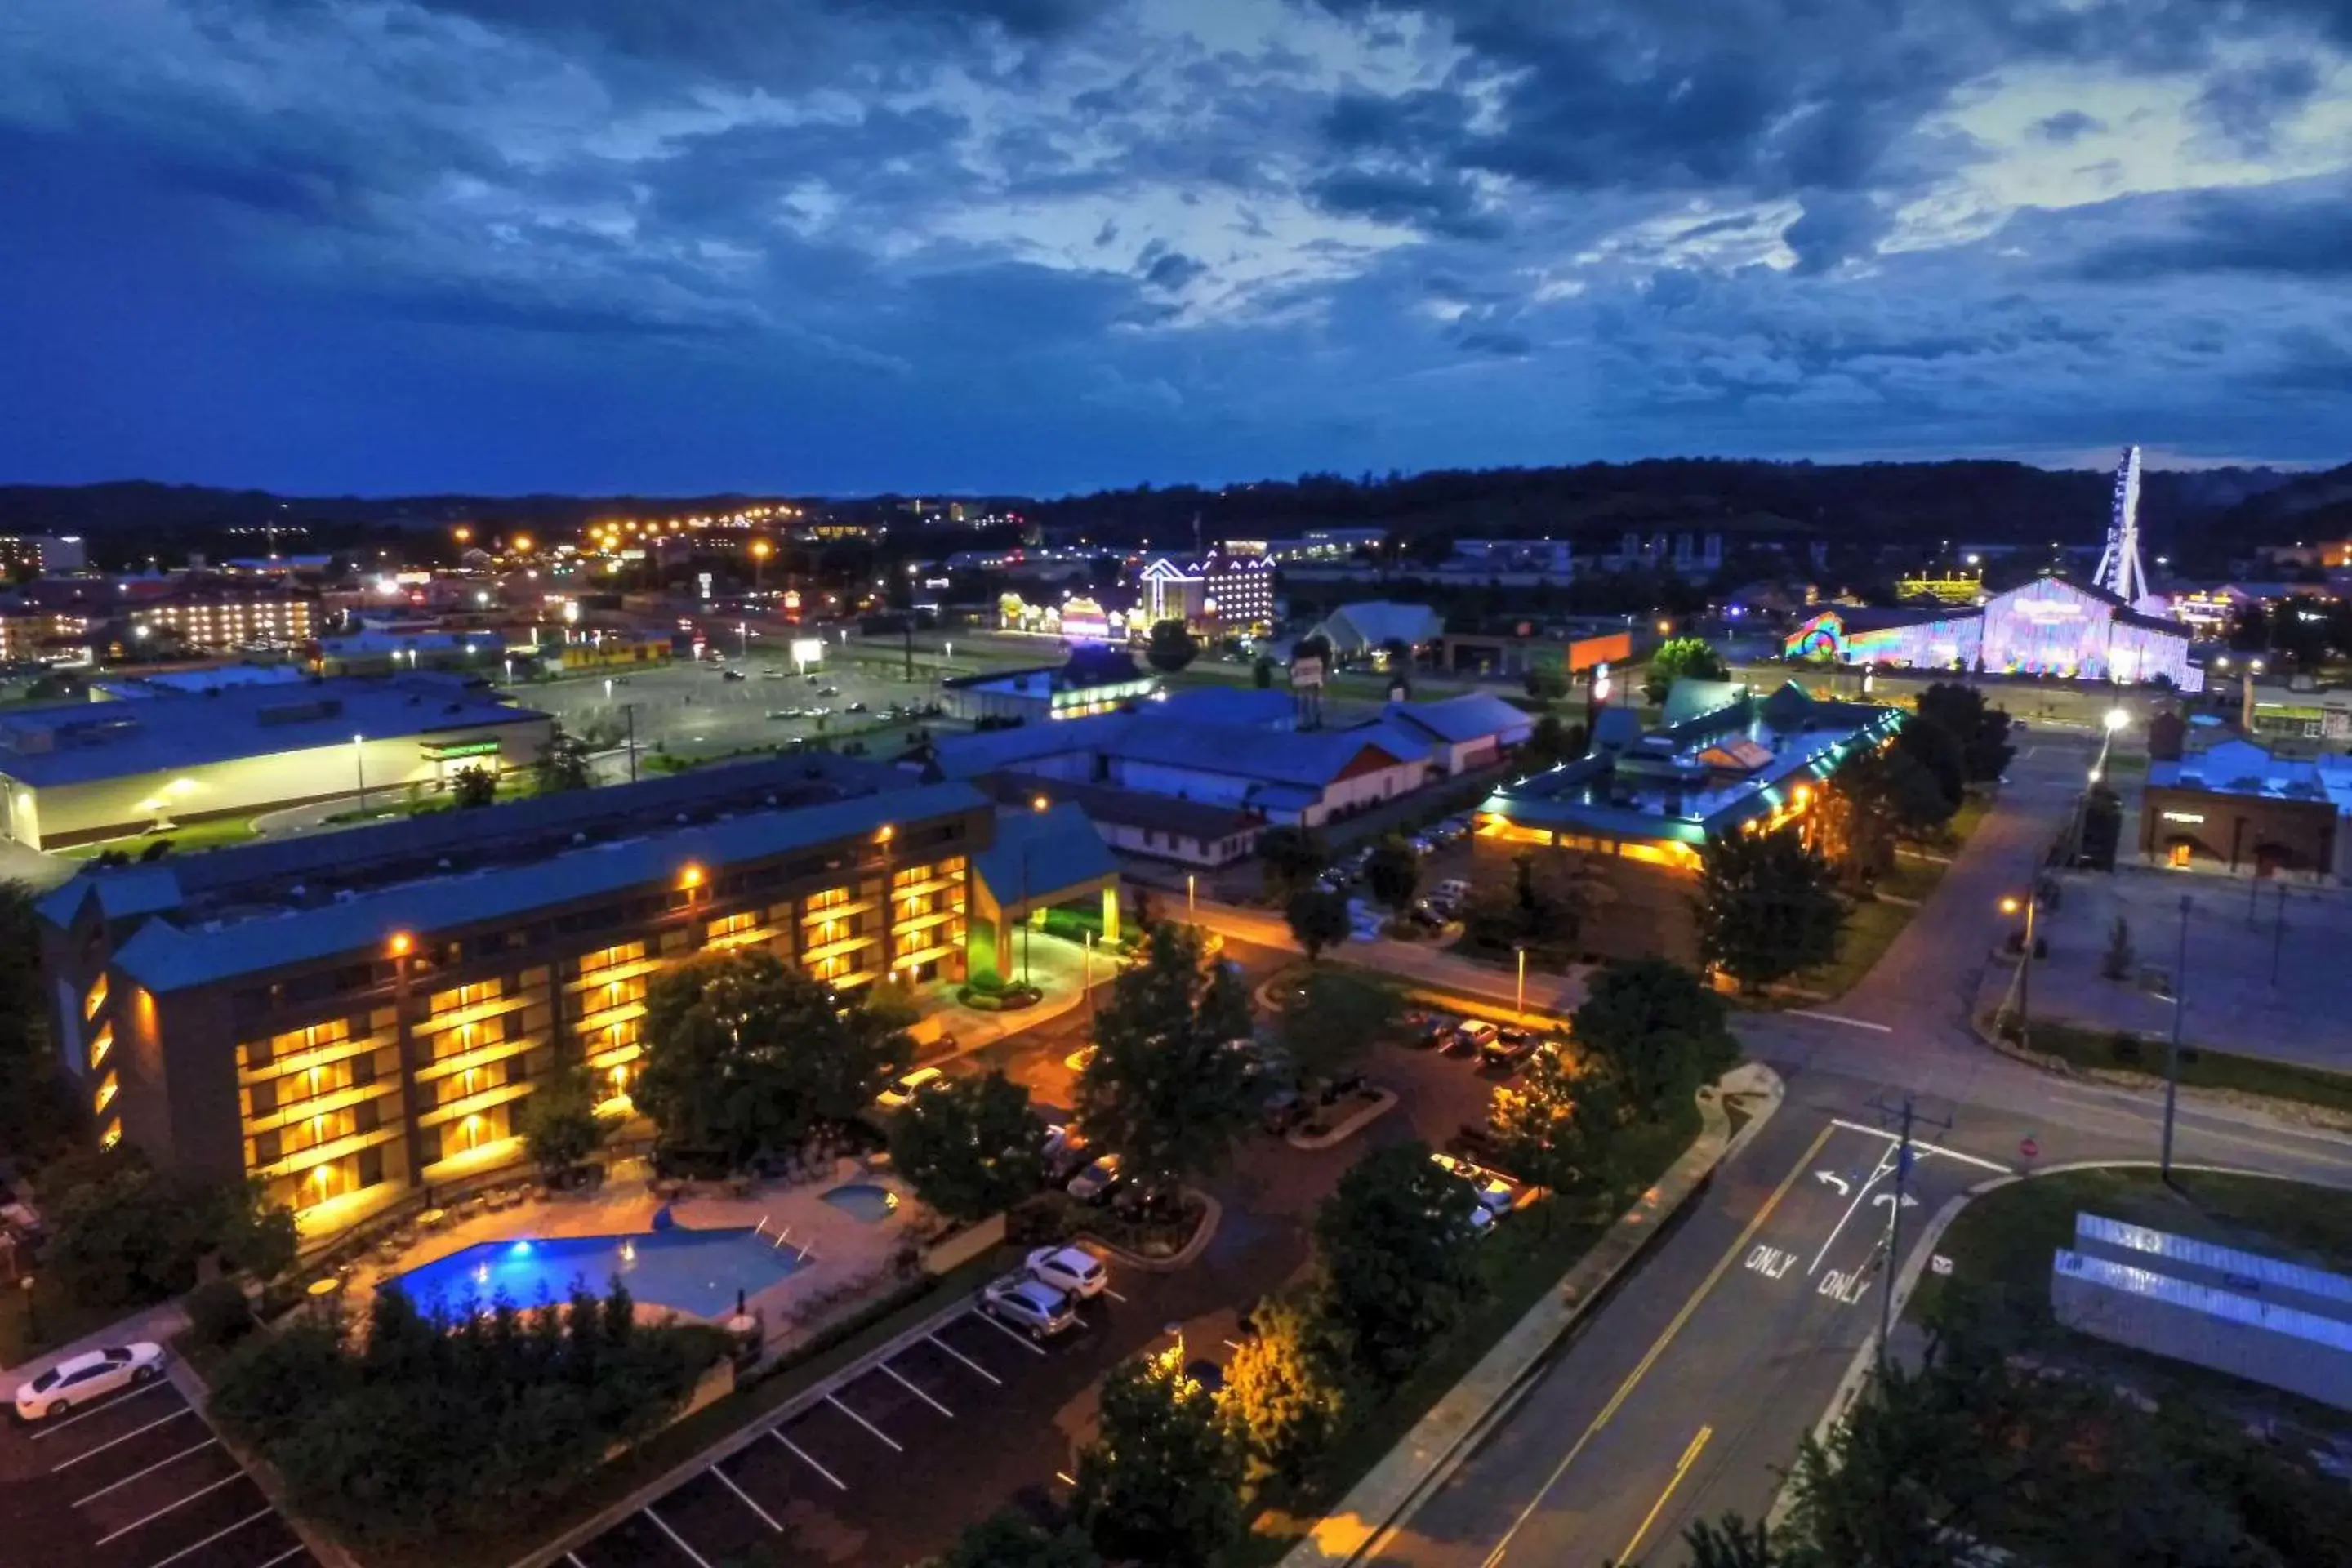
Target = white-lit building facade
(1223,594)
(2050,626)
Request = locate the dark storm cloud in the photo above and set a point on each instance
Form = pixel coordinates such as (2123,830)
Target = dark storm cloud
(1835,226)
(2067,126)
(1499,342)
(1445,203)
(1167,270)
(2308,235)
(2247,103)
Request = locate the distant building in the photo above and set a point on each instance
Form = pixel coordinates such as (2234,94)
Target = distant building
(1091,680)
(1359,630)
(1639,807)
(173,751)
(41,554)
(1528,646)
(1225,594)
(2241,808)
(1315,545)
(221,615)
(1466,732)
(2050,626)
(1552,558)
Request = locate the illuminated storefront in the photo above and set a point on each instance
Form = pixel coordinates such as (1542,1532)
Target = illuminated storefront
(2050,626)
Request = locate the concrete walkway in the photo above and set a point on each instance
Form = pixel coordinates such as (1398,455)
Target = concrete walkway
(1456,1423)
(1421,963)
(157,1323)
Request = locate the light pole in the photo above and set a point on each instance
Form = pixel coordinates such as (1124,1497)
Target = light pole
(359,766)
(1192,902)
(2024,967)
(2172,1050)
(1090,975)
(1519,1004)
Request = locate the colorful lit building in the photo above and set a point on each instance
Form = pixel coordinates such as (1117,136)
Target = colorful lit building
(2050,627)
(1225,594)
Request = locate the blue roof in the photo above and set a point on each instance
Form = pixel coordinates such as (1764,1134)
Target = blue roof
(1472,716)
(1311,757)
(163,956)
(1043,851)
(1687,699)
(79,743)
(993,751)
(1228,705)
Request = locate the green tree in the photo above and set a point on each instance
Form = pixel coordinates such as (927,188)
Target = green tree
(1163,1088)
(122,1233)
(563,762)
(1172,647)
(473,786)
(1550,742)
(40,1117)
(972,1147)
(1393,873)
(559,1126)
(1935,754)
(1682,659)
(1658,1030)
(1333,1021)
(1161,1481)
(1007,1539)
(1546,681)
(744,1054)
(1398,1272)
(1561,1127)
(1318,919)
(1768,906)
(1730,1542)
(1291,858)
(1981,731)
(1284,1388)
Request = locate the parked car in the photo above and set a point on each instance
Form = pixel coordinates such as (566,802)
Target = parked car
(1030,1304)
(80,1379)
(1436,1029)
(1076,1274)
(731,675)
(1420,846)
(902,1093)
(783,712)
(1475,1140)
(1509,1048)
(1494,1195)
(1472,1037)
(1067,1153)
(1094,1184)
(1282,1110)
(1452,891)
(830,691)
(854,707)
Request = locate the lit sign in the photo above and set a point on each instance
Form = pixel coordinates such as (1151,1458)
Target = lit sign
(2193,818)
(443,751)
(1600,681)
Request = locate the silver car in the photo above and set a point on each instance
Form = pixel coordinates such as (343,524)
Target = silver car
(1029,1303)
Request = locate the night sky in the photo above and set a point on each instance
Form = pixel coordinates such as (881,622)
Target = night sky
(1038,246)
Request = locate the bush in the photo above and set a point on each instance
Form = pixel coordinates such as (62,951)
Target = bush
(218,1313)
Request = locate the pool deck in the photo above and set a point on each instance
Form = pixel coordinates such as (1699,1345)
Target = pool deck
(841,1250)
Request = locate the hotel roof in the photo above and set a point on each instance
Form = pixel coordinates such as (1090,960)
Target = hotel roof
(1472,716)
(70,743)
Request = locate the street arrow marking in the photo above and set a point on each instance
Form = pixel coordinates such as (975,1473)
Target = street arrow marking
(1908,1201)
(1831,1179)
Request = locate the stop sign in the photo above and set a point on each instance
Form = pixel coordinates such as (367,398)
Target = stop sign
(2028,1148)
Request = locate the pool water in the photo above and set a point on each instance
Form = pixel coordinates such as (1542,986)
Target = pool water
(696,1271)
(862,1201)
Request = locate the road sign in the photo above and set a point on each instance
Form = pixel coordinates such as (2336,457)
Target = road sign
(2028,1147)
(1940,1264)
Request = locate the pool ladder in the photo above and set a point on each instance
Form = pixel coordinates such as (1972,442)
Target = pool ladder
(802,1252)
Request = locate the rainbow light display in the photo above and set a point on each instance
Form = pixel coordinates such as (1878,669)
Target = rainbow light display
(2049,626)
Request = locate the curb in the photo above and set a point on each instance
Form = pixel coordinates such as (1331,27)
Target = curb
(1380,1104)
(1212,1212)
(1368,1517)
(198,1394)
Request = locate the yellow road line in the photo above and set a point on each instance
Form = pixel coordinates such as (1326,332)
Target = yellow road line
(1681,1469)
(1723,1265)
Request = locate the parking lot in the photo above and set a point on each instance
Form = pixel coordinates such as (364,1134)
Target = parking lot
(887,1466)
(693,709)
(137,1480)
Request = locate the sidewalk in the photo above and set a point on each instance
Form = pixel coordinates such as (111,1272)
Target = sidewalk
(1425,964)
(157,1323)
(1392,1488)
(948,1029)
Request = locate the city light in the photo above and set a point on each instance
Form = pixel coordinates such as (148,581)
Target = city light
(2115,718)
(400,943)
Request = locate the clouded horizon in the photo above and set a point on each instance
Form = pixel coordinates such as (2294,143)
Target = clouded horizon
(1044,246)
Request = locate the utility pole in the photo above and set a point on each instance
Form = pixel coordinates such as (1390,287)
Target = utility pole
(1905,1117)
(2278,935)
(630,709)
(2172,1051)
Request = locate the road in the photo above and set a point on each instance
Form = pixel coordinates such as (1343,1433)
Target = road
(1689,1392)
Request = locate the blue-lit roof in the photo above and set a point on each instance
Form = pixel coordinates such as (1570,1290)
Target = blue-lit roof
(1039,853)
(1472,716)
(1227,705)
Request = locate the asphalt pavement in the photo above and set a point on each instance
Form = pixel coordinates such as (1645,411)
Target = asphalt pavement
(1689,1392)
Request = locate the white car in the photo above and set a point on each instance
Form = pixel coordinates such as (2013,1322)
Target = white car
(81,1379)
(1078,1274)
(1496,1196)
(901,1094)
(1030,1304)
(1096,1181)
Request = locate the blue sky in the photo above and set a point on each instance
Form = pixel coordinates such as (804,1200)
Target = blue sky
(1050,245)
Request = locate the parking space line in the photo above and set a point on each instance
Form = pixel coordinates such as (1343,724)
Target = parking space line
(698,1561)
(98,1410)
(965,1359)
(575,1556)
(1114,1295)
(118,1486)
(755,1508)
(103,1448)
(296,1551)
(168,1507)
(917,1391)
(216,1535)
(1008,1333)
(838,1483)
(861,1420)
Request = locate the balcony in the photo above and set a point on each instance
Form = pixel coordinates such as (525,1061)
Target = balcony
(320,1055)
(471,1012)
(745,938)
(627,969)
(473,1104)
(813,955)
(325,1103)
(295,1162)
(480,1055)
(489,1155)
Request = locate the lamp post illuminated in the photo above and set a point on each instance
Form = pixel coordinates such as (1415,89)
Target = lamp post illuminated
(761,550)
(2024,968)
(1520,1002)
(359,766)
(1191,901)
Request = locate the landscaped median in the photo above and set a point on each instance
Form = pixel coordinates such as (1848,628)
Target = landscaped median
(2309,1094)
(1374,1478)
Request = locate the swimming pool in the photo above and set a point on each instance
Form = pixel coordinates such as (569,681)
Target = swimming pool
(696,1271)
(866,1201)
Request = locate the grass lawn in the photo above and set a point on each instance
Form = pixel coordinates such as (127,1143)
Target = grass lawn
(2199,1068)
(1522,1261)
(1873,926)
(2001,1244)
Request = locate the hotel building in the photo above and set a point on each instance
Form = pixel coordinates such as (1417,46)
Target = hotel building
(358,1019)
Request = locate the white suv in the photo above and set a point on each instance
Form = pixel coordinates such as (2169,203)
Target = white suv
(80,1379)
(1078,1274)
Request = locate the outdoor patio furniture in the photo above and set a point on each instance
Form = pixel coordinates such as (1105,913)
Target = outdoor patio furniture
(434,1219)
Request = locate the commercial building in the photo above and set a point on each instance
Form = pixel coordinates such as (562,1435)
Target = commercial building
(222,615)
(1155,827)
(176,750)
(1527,647)
(357,1019)
(1465,732)
(29,635)
(2050,627)
(2241,809)
(41,554)
(1091,680)
(1640,807)
(1359,630)
(1225,594)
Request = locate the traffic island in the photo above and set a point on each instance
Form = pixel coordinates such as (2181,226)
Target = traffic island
(1369,1109)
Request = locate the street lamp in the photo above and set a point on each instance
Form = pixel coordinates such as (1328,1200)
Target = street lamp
(760,549)
(1519,1004)
(1192,901)
(359,766)
(2024,968)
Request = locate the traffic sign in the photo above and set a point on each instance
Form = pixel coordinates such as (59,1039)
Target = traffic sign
(2028,1147)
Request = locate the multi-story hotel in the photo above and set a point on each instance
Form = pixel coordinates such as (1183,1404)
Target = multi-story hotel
(357,1018)
(228,615)
(1223,594)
